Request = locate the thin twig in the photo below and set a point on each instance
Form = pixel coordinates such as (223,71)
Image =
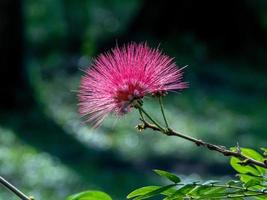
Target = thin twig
(232,195)
(221,149)
(13,189)
(247,192)
(162,111)
(156,124)
(141,114)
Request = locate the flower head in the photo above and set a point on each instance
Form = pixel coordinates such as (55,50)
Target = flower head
(123,75)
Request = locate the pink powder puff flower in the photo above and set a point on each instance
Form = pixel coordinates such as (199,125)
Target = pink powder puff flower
(118,77)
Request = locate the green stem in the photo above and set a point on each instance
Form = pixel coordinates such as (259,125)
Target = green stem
(151,119)
(141,114)
(246,191)
(162,111)
(234,196)
(233,187)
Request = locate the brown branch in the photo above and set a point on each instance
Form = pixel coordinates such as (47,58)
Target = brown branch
(221,149)
(13,189)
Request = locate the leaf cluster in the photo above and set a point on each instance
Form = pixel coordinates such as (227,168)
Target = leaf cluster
(250,183)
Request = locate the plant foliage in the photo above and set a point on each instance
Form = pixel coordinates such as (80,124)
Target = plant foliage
(251,183)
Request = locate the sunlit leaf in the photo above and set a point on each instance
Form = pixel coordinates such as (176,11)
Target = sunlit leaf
(262,197)
(212,191)
(243,169)
(172,177)
(208,189)
(246,178)
(169,192)
(142,191)
(181,192)
(224,195)
(90,195)
(215,195)
(158,191)
(264,151)
(252,182)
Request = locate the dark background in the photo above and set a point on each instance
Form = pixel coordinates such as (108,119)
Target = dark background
(47,151)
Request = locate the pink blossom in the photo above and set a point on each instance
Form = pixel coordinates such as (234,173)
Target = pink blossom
(118,77)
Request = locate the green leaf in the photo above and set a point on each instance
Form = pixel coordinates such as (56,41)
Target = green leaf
(214,195)
(223,195)
(172,177)
(90,195)
(142,191)
(252,183)
(207,189)
(182,191)
(169,192)
(160,190)
(244,169)
(264,151)
(246,178)
(212,192)
(262,197)
(250,153)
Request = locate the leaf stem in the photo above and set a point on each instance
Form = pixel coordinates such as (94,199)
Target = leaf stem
(229,195)
(13,189)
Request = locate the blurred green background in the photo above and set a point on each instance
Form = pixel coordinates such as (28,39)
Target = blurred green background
(48,152)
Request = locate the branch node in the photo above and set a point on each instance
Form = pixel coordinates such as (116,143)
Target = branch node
(200,143)
(140,127)
(244,162)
